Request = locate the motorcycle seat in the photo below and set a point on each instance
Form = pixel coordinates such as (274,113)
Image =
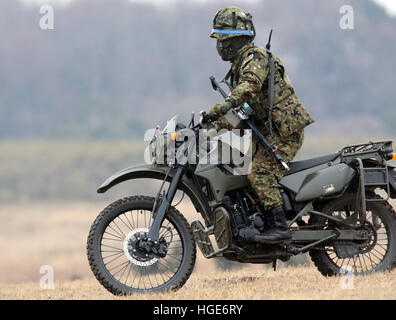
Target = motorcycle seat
(297,166)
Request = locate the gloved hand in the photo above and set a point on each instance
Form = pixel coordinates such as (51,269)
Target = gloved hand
(220,108)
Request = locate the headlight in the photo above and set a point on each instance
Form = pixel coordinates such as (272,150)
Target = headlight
(173,136)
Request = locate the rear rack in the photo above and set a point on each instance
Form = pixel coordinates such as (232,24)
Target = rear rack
(366,151)
(373,176)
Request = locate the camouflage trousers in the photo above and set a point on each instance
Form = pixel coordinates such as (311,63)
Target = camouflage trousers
(265,171)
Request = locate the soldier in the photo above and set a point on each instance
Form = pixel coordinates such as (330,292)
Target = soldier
(249,75)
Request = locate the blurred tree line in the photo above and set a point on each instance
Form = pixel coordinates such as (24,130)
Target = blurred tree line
(111,69)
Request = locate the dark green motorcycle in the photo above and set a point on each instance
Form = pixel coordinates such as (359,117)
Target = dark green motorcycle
(142,243)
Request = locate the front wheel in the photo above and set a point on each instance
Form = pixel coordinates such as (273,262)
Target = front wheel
(118,263)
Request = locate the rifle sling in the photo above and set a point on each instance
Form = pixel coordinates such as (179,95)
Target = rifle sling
(270,92)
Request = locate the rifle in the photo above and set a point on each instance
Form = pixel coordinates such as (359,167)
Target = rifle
(246,113)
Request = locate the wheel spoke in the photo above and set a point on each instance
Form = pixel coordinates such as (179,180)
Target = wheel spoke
(113,235)
(105,245)
(129,271)
(365,263)
(119,228)
(371,260)
(166,267)
(113,239)
(124,268)
(121,264)
(128,226)
(120,234)
(119,256)
(112,255)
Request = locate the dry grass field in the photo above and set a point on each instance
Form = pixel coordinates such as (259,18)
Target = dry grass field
(55,234)
(246,284)
(32,235)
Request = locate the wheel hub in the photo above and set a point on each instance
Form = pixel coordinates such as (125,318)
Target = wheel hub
(133,252)
(349,249)
(368,231)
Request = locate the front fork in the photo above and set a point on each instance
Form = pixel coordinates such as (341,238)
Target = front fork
(162,207)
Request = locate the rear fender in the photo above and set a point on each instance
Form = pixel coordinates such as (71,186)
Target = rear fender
(158,172)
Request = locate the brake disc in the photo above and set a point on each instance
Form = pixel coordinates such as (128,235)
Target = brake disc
(132,253)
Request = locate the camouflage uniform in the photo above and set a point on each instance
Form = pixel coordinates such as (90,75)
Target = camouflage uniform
(249,78)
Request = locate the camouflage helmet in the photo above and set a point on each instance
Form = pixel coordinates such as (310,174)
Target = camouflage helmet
(232,22)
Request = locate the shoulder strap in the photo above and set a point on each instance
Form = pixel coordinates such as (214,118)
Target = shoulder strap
(226,78)
(228,75)
(270,92)
(270,85)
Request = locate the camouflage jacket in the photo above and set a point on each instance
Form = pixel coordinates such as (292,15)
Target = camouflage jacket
(250,76)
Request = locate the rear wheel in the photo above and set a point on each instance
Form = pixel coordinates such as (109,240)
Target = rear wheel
(118,262)
(377,253)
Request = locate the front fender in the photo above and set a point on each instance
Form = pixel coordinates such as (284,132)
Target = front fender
(158,172)
(135,172)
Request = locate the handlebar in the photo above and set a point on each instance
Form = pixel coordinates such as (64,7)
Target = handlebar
(205,117)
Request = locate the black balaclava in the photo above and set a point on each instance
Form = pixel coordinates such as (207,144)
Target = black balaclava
(228,48)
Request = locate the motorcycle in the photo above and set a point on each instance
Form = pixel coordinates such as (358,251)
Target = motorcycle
(141,243)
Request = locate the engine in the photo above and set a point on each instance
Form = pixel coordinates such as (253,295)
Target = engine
(245,222)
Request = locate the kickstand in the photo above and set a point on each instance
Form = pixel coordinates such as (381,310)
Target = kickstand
(274,264)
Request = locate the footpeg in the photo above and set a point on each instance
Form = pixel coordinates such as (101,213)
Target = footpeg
(221,231)
(292,249)
(201,236)
(222,228)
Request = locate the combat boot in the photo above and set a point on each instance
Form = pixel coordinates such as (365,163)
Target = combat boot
(279,231)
